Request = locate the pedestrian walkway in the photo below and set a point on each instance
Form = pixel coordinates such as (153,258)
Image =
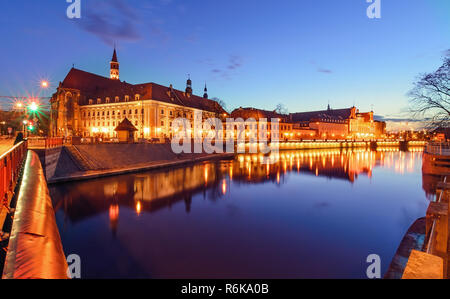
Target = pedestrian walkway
(5,145)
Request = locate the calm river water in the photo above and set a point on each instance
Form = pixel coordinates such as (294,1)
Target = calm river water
(314,214)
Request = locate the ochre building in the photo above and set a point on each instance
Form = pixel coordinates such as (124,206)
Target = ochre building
(89,105)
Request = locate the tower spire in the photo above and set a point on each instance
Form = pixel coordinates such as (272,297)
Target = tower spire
(114,66)
(205,95)
(189,85)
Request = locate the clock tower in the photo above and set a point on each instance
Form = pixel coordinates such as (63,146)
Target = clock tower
(114,72)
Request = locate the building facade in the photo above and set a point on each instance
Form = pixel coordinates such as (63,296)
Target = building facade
(330,124)
(89,105)
(275,125)
(341,123)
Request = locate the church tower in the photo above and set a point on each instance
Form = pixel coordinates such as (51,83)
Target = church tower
(205,95)
(114,72)
(189,86)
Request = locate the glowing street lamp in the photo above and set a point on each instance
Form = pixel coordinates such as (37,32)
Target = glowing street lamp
(44,84)
(33,107)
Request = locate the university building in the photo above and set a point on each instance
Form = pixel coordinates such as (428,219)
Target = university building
(89,105)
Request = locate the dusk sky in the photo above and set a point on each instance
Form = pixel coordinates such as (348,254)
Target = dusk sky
(303,54)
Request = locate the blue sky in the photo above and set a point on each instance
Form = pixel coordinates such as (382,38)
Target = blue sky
(302,53)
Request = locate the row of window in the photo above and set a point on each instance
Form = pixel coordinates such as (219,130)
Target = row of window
(103,124)
(116,100)
(107,113)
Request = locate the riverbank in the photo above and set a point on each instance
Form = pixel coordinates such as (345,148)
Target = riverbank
(93,174)
(91,161)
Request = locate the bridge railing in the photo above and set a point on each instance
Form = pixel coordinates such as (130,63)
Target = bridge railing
(45,142)
(438,148)
(10,163)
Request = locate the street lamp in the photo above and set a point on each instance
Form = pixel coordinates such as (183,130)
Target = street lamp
(44,84)
(33,106)
(24,122)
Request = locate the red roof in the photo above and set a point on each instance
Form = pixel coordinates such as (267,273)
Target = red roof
(335,114)
(93,86)
(246,113)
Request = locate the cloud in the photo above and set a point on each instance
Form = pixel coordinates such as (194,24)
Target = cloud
(325,71)
(319,68)
(112,21)
(234,63)
(399,120)
(402,123)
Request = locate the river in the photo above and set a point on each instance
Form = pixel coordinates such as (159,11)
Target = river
(312,214)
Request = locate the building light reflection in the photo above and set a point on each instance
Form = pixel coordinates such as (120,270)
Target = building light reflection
(138,207)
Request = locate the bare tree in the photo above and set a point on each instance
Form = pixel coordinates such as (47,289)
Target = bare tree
(430,97)
(281,109)
(221,103)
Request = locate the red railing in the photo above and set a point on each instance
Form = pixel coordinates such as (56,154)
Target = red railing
(45,142)
(52,142)
(10,163)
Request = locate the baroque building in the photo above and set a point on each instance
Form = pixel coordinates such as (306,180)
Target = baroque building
(89,105)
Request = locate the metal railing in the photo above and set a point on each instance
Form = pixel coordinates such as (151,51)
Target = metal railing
(10,163)
(442,148)
(432,235)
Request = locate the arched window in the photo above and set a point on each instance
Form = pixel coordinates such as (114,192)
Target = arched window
(117,99)
(91,101)
(107,100)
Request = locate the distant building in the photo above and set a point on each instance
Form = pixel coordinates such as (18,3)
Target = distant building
(325,124)
(340,123)
(282,126)
(89,105)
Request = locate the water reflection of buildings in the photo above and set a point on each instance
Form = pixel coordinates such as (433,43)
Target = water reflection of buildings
(152,191)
